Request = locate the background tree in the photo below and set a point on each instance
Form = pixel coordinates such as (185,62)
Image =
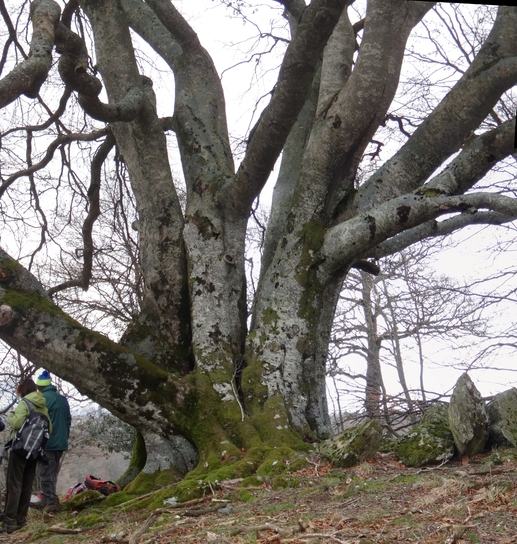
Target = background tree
(403,318)
(201,380)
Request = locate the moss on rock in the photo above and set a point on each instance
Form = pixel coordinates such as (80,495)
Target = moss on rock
(429,442)
(83,500)
(353,446)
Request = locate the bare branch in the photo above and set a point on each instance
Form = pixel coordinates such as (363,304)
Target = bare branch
(59,141)
(93,213)
(442,133)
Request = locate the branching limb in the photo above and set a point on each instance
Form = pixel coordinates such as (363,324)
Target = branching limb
(58,142)
(471,165)
(296,74)
(13,38)
(493,71)
(73,70)
(126,110)
(27,77)
(199,123)
(93,213)
(434,228)
(294,8)
(78,353)
(54,117)
(399,214)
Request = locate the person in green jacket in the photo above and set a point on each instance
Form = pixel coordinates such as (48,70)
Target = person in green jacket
(57,444)
(21,471)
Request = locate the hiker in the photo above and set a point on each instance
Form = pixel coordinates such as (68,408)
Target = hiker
(21,470)
(59,411)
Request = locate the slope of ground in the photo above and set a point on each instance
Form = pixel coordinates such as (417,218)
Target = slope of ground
(378,502)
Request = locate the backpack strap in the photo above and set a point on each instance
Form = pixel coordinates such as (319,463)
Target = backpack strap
(29,404)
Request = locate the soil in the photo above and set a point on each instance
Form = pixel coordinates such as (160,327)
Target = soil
(378,502)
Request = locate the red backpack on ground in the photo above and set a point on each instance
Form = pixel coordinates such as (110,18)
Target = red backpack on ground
(74,490)
(106,487)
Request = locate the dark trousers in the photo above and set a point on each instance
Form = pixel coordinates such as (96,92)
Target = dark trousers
(20,473)
(48,476)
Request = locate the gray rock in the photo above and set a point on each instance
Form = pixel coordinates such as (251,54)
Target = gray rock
(502,419)
(468,418)
(353,446)
(429,442)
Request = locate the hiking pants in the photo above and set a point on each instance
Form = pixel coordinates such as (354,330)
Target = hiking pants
(20,473)
(48,476)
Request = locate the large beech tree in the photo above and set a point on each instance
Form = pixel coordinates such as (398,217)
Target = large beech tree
(203,382)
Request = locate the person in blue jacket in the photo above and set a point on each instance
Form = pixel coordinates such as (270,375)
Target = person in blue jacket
(61,419)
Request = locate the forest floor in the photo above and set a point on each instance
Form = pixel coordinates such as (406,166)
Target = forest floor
(378,502)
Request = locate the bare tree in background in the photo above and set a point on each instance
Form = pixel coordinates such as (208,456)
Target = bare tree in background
(405,315)
(203,378)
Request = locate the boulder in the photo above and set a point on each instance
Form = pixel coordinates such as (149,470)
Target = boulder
(468,418)
(429,442)
(502,419)
(353,446)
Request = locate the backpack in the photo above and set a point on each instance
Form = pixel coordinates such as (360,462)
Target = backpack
(106,487)
(74,490)
(30,439)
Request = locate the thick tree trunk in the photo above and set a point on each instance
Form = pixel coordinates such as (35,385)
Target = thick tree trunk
(162,331)
(187,374)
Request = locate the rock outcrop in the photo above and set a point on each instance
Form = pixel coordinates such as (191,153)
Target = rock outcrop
(468,418)
(429,442)
(502,420)
(353,446)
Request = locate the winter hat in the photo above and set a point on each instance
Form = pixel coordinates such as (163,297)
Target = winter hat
(43,379)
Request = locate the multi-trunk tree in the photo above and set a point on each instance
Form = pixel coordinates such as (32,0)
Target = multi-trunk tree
(201,380)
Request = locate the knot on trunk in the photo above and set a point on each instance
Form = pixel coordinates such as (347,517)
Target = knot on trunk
(6,315)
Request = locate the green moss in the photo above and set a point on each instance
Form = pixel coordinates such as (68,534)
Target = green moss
(88,520)
(224,473)
(284,481)
(245,496)
(272,423)
(10,268)
(185,490)
(252,481)
(388,445)
(83,500)
(354,445)
(276,461)
(269,315)
(256,393)
(298,464)
(429,442)
(145,483)
(23,301)
(136,463)
(117,498)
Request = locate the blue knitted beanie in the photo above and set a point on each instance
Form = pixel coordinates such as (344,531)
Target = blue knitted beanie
(43,379)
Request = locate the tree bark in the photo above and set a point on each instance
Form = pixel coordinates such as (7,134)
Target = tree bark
(200,379)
